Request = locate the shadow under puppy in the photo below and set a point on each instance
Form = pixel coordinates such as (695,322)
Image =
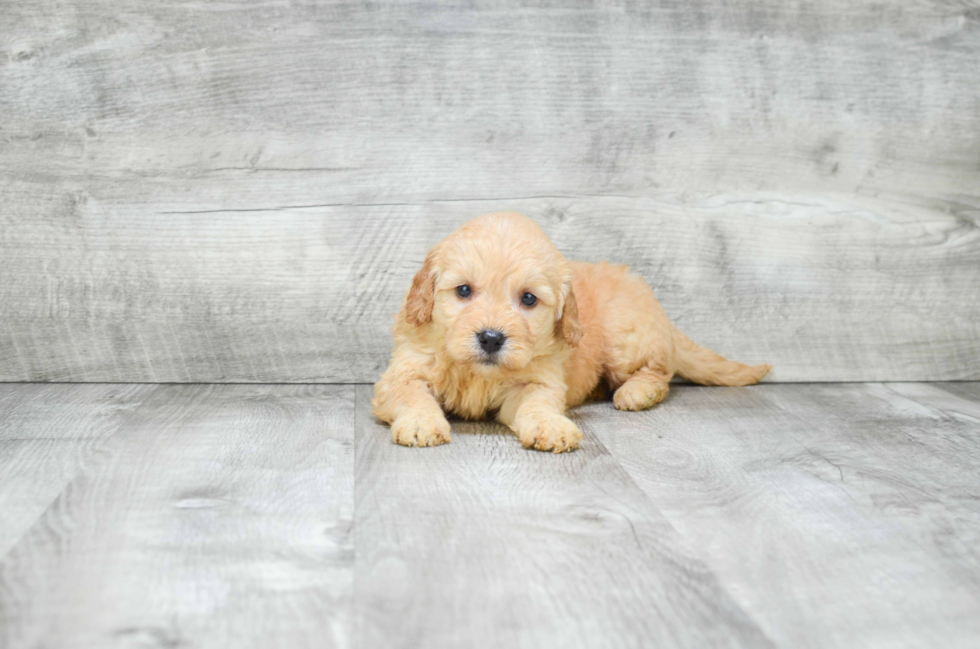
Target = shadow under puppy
(498,321)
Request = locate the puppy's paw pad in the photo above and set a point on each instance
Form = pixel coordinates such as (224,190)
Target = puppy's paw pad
(420,429)
(638,395)
(557,434)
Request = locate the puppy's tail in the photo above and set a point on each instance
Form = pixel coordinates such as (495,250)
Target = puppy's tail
(703,366)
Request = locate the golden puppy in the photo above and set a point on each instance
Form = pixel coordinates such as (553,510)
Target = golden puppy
(498,321)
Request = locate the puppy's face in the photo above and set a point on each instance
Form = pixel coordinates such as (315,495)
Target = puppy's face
(495,294)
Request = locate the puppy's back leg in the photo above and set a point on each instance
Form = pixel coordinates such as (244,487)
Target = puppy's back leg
(647,387)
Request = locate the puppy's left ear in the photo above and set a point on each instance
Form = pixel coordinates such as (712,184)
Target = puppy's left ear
(421,297)
(568,325)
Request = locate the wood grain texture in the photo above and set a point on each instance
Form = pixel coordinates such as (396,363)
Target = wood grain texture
(48,433)
(216,516)
(182,201)
(836,515)
(484,543)
(967,391)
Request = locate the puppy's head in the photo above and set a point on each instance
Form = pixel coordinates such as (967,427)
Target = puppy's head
(495,294)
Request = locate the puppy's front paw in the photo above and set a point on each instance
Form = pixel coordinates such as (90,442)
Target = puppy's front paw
(556,433)
(420,429)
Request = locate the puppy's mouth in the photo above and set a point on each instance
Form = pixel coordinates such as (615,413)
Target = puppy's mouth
(506,360)
(489,360)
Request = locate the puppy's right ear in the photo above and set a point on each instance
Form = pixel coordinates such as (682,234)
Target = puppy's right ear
(421,297)
(568,324)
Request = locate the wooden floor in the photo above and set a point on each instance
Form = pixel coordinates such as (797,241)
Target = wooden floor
(821,515)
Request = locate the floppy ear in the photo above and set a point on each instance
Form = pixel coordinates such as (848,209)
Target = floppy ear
(421,297)
(568,325)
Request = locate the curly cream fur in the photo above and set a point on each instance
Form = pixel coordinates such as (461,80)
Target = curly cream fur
(594,326)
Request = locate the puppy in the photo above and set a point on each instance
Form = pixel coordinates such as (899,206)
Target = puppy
(497,321)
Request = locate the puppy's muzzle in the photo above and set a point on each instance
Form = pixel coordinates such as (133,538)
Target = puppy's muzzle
(491,341)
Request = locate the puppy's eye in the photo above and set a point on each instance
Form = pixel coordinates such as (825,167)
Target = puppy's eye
(528,299)
(464,290)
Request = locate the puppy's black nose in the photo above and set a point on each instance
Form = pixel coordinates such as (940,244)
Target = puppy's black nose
(491,340)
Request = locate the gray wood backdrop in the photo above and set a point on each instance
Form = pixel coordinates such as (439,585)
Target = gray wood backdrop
(241,191)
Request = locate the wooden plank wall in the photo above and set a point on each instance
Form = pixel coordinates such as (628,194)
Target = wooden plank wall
(241,191)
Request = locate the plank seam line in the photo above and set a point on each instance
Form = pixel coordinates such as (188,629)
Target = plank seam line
(690,543)
(97,445)
(405,204)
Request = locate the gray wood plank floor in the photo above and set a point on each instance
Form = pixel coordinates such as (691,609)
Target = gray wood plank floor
(833,515)
(47,433)
(215,516)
